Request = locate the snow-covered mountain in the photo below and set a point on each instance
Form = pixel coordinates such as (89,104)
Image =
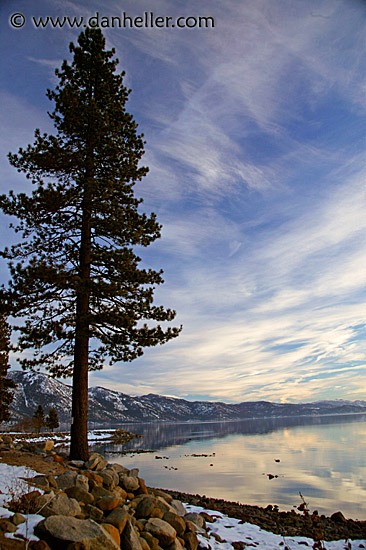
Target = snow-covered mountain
(112,407)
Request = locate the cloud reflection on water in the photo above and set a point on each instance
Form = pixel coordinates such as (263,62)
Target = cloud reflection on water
(323,461)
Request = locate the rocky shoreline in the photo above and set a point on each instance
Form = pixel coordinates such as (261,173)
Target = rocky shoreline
(287,524)
(99,504)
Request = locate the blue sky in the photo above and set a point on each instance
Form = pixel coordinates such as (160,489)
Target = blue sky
(255,136)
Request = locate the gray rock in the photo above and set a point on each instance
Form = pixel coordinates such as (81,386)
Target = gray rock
(164,506)
(178,507)
(146,506)
(108,479)
(193,527)
(129,538)
(129,483)
(60,532)
(197,519)
(82,482)
(118,468)
(66,480)
(38,502)
(112,472)
(134,472)
(61,505)
(161,529)
(96,462)
(159,493)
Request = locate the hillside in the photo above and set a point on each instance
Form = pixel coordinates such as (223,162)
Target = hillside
(112,407)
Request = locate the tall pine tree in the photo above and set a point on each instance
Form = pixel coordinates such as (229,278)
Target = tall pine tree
(6,384)
(75,277)
(38,418)
(52,420)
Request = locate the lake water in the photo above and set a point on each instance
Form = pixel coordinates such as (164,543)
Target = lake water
(323,458)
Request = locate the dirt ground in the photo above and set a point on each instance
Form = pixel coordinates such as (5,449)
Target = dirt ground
(30,460)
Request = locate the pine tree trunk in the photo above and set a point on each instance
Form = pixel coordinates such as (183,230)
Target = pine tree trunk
(79,423)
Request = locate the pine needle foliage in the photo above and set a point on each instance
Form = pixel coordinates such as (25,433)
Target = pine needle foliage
(38,418)
(75,276)
(52,421)
(6,384)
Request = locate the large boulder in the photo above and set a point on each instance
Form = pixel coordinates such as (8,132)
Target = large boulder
(72,479)
(129,483)
(61,505)
(175,521)
(62,532)
(148,506)
(110,478)
(178,507)
(115,473)
(162,530)
(129,538)
(197,519)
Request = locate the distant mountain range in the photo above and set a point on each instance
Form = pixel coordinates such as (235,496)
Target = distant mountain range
(108,407)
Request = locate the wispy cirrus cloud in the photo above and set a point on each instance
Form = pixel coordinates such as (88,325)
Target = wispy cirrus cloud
(255,138)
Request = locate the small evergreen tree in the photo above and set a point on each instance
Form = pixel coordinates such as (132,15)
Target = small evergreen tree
(75,277)
(6,384)
(38,418)
(52,421)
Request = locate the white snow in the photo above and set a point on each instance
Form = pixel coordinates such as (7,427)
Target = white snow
(229,529)
(93,435)
(12,484)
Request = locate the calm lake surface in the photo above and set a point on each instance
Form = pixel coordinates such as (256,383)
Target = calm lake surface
(324,458)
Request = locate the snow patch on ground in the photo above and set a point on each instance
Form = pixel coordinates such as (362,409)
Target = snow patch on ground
(231,530)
